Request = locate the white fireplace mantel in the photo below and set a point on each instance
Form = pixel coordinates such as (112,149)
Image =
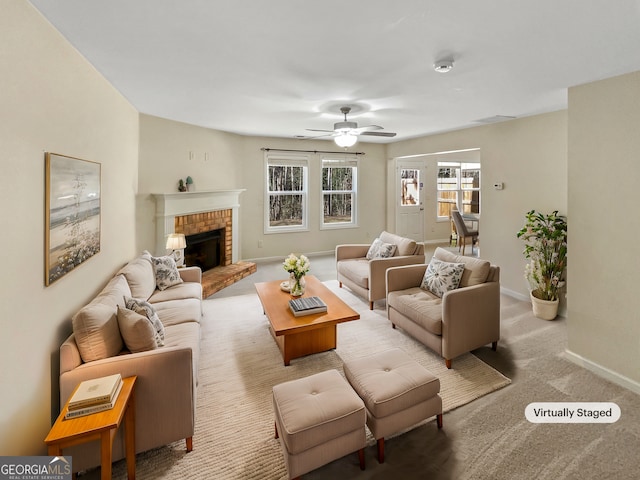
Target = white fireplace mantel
(172,205)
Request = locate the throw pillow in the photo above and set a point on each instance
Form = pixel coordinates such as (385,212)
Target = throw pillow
(441,277)
(379,249)
(146,310)
(166,272)
(137,332)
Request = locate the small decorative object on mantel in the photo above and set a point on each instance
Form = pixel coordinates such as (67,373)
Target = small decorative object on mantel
(297,267)
(191,187)
(545,239)
(181,186)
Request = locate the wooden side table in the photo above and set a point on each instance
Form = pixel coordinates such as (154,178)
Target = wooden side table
(99,426)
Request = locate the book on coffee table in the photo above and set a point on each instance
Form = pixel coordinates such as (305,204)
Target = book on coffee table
(307,306)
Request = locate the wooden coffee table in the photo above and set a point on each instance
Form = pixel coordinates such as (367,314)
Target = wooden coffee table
(300,336)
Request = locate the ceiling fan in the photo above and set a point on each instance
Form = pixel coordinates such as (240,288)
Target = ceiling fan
(346,133)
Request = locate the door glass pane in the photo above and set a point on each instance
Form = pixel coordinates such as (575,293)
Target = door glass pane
(410,186)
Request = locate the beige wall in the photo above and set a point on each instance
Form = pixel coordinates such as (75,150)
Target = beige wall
(604,194)
(529,156)
(51,99)
(234,161)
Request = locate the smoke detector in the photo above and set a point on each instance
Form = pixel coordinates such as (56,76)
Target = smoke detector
(443,66)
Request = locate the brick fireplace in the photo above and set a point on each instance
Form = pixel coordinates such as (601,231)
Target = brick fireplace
(198,212)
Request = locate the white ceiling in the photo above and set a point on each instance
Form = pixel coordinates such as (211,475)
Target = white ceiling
(274,68)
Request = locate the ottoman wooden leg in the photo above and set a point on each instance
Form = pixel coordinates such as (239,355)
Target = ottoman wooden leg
(381,450)
(361,458)
(439,420)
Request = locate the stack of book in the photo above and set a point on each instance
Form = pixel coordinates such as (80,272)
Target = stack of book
(93,396)
(307,306)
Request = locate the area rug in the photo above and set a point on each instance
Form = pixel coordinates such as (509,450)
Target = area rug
(240,363)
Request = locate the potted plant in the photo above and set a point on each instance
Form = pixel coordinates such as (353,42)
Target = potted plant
(545,238)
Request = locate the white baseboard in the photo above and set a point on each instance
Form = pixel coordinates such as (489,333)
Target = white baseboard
(282,257)
(603,372)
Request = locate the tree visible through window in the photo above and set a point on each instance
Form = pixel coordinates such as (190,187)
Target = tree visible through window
(339,180)
(287,194)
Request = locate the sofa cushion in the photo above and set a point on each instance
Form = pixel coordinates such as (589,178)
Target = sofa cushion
(140,276)
(420,306)
(145,309)
(475,272)
(405,246)
(174,312)
(181,291)
(114,292)
(165,271)
(96,332)
(379,249)
(138,333)
(440,277)
(356,270)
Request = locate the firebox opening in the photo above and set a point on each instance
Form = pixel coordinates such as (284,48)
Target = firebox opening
(206,249)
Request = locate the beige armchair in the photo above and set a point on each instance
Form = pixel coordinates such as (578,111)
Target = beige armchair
(464,319)
(366,277)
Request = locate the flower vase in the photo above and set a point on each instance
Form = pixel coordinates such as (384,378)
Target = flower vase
(296,285)
(544,309)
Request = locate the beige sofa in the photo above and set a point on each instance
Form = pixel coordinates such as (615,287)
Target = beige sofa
(365,276)
(462,320)
(167,375)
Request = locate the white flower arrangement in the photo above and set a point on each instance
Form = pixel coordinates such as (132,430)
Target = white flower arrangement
(298,266)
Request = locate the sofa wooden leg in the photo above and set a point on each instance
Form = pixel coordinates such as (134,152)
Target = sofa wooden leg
(276,428)
(340,283)
(361,458)
(494,346)
(381,450)
(189,441)
(370,305)
(439,420)
(393,325)
(447,362)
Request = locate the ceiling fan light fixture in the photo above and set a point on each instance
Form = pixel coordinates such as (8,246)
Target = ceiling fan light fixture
(346,140)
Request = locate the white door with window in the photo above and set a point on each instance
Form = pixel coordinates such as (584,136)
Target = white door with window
(410,177)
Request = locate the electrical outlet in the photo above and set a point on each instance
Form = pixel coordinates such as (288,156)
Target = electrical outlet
(260,243)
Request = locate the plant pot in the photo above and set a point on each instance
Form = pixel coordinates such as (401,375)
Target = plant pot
(544,309)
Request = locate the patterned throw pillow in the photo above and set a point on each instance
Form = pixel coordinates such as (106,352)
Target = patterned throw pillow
(146,309)
(441,277)
(379,249)
(166,272)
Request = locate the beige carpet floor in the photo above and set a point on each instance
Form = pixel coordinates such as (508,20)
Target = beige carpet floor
(240,363)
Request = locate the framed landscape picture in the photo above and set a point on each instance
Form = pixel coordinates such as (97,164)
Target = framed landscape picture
(72,230)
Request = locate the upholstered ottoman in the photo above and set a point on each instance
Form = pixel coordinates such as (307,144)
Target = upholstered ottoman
(318,419)
(397,391)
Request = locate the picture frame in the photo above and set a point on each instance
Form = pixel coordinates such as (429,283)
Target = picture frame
(72,212)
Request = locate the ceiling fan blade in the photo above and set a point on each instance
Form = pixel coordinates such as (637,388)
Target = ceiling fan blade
(366,128)
(316,130)
(379,134)
(305,137)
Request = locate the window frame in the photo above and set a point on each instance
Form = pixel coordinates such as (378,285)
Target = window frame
(460,189)
(340,161)
(302,161)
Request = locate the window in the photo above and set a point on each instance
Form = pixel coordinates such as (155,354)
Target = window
(458,187)
(339,188)
(286,193)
